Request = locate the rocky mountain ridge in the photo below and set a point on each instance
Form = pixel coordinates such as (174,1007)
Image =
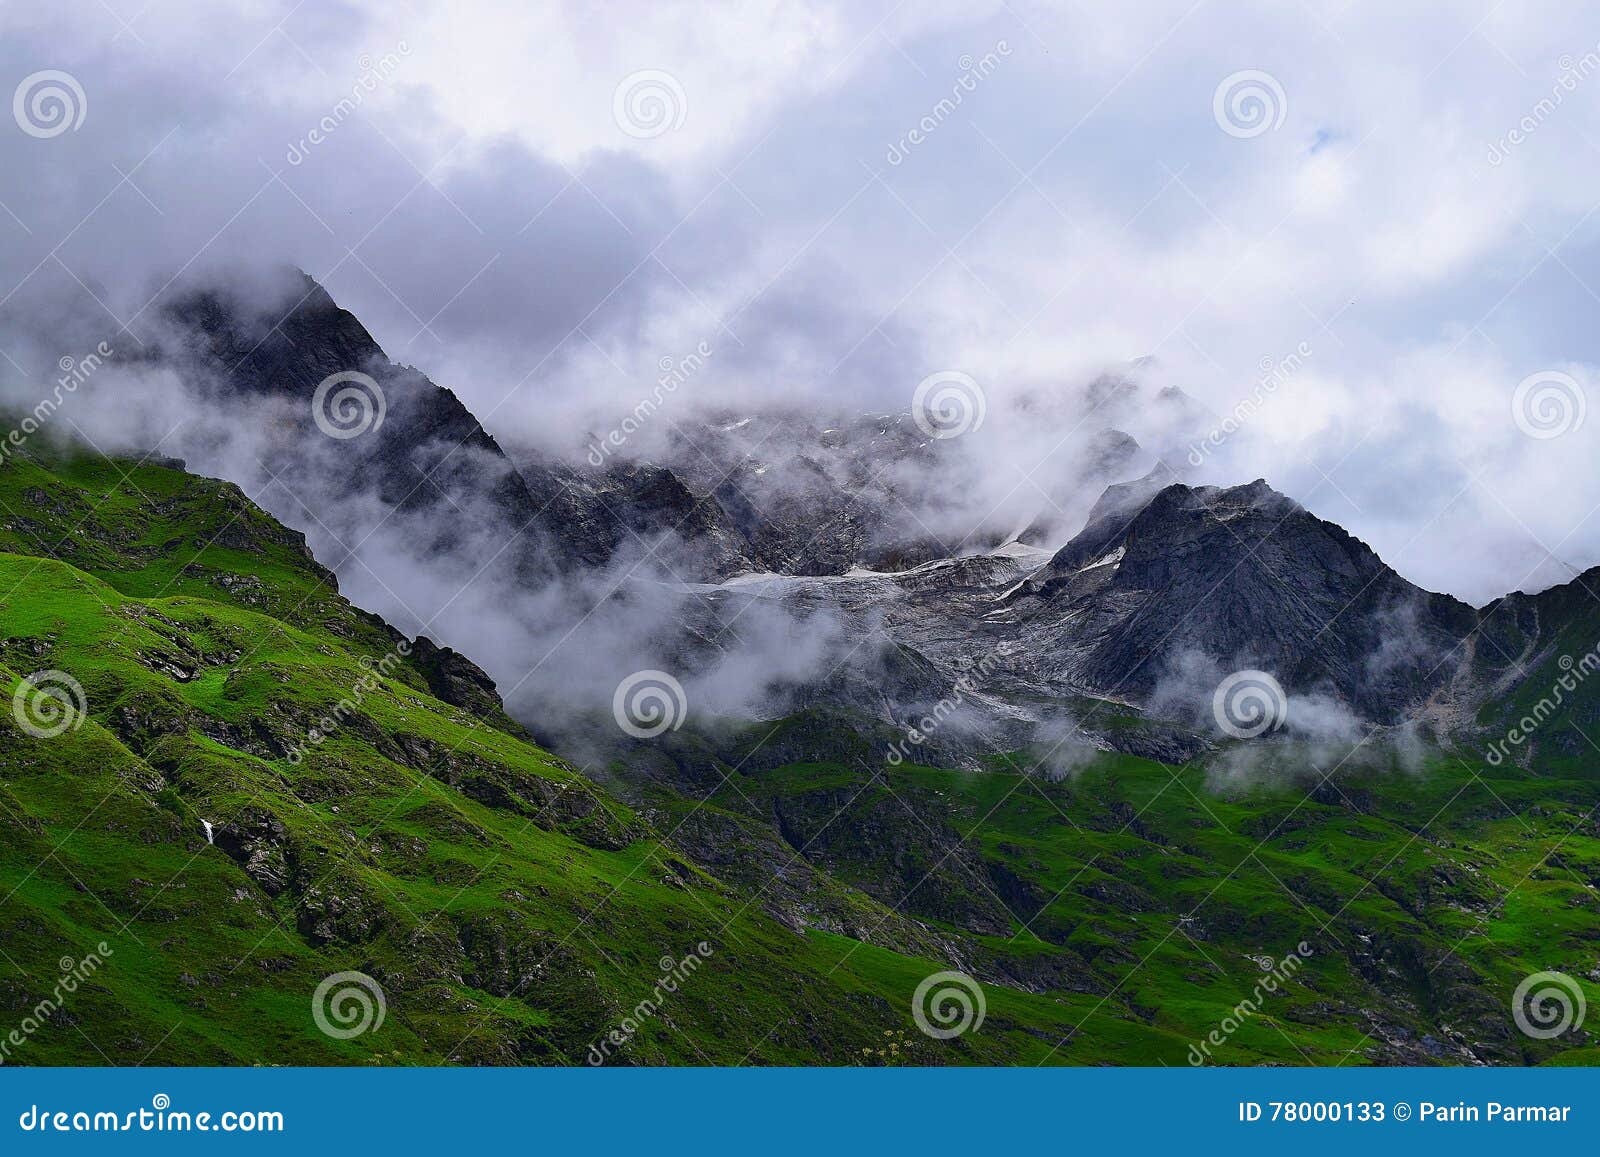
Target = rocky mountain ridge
(1165,587)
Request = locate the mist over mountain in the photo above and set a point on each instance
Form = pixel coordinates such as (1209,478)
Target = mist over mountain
(1063,513)
(549,562)
(498,228)
(772,560)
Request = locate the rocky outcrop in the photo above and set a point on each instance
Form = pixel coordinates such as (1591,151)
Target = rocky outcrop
(456,679)
(812,519)
(430,455)
(1248,578)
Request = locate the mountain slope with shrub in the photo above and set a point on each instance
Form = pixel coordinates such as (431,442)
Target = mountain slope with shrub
(514,911)
(511,911)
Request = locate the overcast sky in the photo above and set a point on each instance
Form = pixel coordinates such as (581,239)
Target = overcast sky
(536,203)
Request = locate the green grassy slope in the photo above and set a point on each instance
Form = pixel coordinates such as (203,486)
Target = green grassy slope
(511,911)
(514,911)
(1152,897)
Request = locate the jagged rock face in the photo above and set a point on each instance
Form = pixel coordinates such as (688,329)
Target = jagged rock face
(1240,577)
(810,500)
(759,494)
(455,679)
(429,456)
(800,498)
(799,520)
(1246,577)
(1111,454)
(866,490)
(813,519)
(1531,670)
(641,514)
(736,497)
(775,492)
(1108,520)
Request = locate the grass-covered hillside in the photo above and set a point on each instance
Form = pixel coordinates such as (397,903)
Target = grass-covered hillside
(1150,900)
(512,910)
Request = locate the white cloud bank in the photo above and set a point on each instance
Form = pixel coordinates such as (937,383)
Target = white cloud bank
(1422,218)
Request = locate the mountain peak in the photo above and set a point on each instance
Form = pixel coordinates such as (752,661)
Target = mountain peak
(1246,577)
